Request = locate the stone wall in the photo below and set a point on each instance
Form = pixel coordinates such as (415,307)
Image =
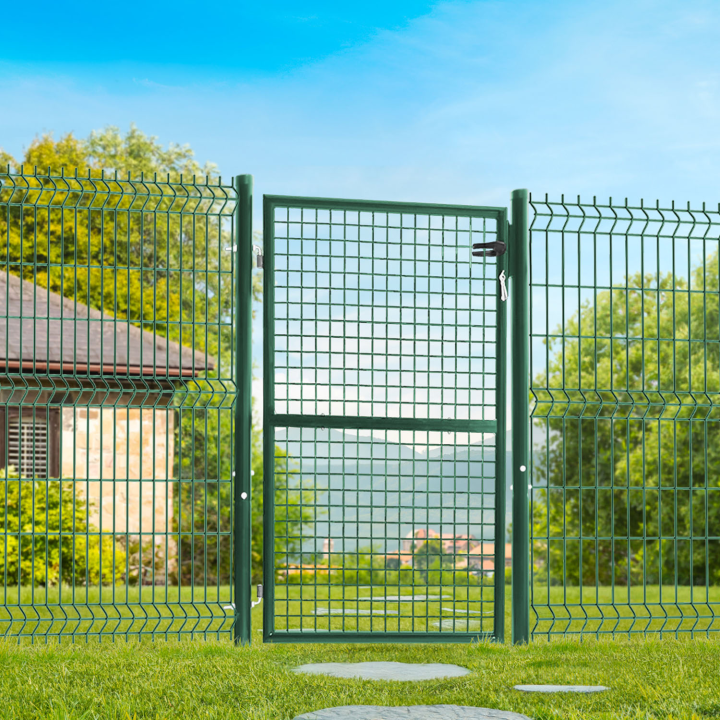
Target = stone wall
(126,457)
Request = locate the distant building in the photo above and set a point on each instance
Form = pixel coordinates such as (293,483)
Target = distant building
(470,553)
(328,548)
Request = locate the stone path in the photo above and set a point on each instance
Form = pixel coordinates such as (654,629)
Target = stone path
(384,670)
(415,712)
(562,688)
(458,623)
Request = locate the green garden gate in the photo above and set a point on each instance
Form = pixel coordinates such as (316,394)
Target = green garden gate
(384,420)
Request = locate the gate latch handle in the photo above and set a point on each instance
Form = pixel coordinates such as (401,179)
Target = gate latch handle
(496,248)
(259,597)
(259,255)
(503,287)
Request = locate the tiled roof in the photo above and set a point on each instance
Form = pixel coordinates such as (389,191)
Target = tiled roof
(41,330)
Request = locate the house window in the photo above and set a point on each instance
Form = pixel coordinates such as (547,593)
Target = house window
(30,441)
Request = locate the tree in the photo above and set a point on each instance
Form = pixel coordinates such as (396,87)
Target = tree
(46,536)
(84,244)
(294,508)
(430,556)
(632,442)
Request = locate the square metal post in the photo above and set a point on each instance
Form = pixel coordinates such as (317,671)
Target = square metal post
(520,394)
(243,412)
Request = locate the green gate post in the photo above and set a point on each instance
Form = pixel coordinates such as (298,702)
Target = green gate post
(242,538)
(520,393)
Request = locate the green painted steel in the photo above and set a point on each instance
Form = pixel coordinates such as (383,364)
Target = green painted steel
(519,298)
(383,416)
(243,410)
(117,398)
(625,343)
(501,554)
(125,415)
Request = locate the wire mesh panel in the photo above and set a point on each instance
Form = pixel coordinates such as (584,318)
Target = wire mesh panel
(116,395)
(626,421)
(381,417)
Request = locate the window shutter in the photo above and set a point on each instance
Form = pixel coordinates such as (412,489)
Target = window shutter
(27,445)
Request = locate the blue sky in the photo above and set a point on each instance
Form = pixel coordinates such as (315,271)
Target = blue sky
(428,101)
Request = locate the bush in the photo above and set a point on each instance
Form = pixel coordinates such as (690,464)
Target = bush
(45,538)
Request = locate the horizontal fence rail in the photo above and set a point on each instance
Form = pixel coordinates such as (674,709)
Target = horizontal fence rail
(625,358)
(117,299)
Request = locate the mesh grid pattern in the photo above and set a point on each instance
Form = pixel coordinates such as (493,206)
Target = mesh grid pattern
(626,420)
(117,348)
(383,394)
(355,508)
(379,313)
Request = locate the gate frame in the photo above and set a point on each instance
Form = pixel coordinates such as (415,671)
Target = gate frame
(500,214)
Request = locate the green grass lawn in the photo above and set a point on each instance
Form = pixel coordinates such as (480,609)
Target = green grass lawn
(213,679)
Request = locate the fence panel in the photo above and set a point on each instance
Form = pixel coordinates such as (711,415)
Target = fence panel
(116,406)
(625,353)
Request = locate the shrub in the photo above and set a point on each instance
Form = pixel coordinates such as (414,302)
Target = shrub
(45,537)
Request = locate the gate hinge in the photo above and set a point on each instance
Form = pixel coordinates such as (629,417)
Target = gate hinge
(258,255)
(231,606)
(256,249)
(496,248)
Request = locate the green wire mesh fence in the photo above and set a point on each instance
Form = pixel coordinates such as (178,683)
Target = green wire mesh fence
(625,353)
(116,406)
(384,415)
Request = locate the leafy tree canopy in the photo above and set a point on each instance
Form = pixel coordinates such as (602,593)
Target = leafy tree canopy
(108,149)
(627,437)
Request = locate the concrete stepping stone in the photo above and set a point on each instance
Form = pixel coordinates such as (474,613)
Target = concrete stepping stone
(413,712)
(384,670)
(460,624)
(562,688)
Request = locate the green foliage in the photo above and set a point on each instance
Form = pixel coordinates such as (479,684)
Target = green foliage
(130,254)
(85,245)
(634,452)
(429,557)
(294,508)
(208,505)
(45,537)
(369,566)
(113,260)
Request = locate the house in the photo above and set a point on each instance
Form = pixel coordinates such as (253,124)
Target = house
(89,398)
(452,544)
(471,553)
